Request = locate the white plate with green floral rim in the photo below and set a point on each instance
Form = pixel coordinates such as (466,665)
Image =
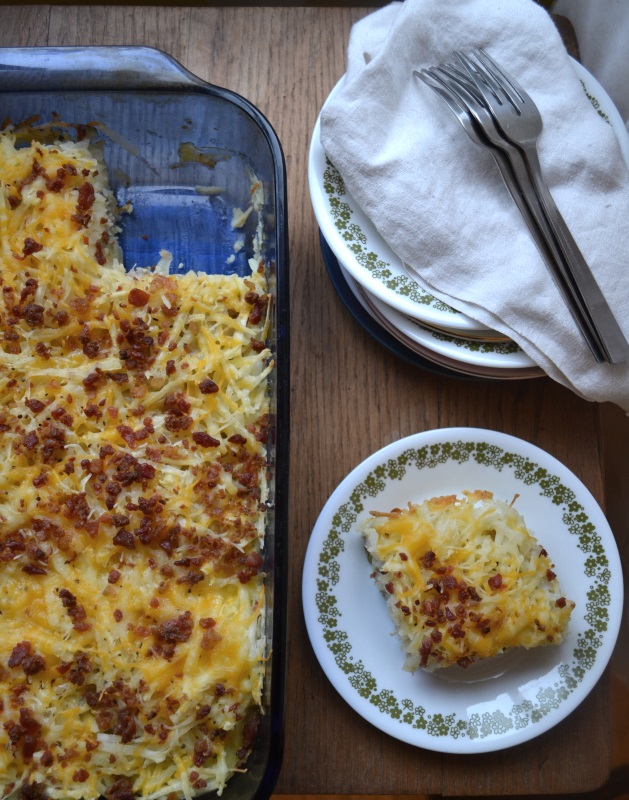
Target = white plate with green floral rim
(477,352)
(478,370)
(358,246)
(496,703)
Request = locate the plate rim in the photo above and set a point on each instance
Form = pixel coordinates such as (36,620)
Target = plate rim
(458,368)
(324,651)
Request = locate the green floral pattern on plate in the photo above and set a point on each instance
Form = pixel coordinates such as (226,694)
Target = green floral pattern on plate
(476,345)
(380,270)
(597,574)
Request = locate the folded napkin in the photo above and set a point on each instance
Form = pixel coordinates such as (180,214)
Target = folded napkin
(439,200)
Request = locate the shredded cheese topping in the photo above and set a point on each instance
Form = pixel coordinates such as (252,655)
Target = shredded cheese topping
(464,579)
(133,430)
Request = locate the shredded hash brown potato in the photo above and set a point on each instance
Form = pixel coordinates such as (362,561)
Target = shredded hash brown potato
(133,426)
(464,580)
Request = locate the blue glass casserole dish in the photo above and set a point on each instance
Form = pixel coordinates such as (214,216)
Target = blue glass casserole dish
(169,139)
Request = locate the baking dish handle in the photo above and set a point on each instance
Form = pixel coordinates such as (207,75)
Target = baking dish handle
(98,68)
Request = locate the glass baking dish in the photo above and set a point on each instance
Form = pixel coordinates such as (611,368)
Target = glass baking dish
(186,153)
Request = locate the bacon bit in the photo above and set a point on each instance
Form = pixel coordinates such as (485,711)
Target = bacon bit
(61,318)
(124,538)
(495,582)
(30,440)
(34,315)
(19,653)
(28,732)
(36,406)
(81,775)
(30,663)
(33,791)
(118,615)
(121,789)
(125,726)
(170,633)
(138,297)
(429,559)
(170,367)
(127,434)
(77,508)
(99,254)
(210,639)
(203,711)
(550,575)
(92,411)
(61,415)
(257,346)
(560,602)
(93,380)
(76,612)
(207,386)
(389,587)
(204,439)
(86,197)
(40,480)
(14,201)
(31,246)
(425,649)
(202,751)
(237,439)
(139,354)
(76,669)
(456,632)
(174,424)
(33,569)
(177,403)
(191,578)
(253,562)
(42,350)
(29,290)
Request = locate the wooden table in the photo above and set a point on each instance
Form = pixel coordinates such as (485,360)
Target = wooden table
(351,397)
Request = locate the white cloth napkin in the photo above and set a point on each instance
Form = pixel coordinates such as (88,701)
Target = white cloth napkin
(438,199)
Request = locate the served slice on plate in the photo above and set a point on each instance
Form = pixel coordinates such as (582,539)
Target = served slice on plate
(464,579)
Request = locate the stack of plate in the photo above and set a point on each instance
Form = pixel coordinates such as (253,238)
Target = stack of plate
(360,260)
(394,299)
(394,302)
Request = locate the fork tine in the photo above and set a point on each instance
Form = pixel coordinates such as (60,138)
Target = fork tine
(439,85)
(483,80)
(517,94)
(462,84)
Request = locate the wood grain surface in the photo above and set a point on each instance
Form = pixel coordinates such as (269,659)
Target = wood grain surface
(350,397)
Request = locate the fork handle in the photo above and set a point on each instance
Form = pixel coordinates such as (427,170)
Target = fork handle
(610,336)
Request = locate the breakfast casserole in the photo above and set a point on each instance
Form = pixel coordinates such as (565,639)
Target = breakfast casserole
(133,425)
(464,580)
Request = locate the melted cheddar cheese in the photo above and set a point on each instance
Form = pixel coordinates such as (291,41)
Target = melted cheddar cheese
(464,579)
(133,425)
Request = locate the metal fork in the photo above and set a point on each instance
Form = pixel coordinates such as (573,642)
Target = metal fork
(464,101)
(519,120)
